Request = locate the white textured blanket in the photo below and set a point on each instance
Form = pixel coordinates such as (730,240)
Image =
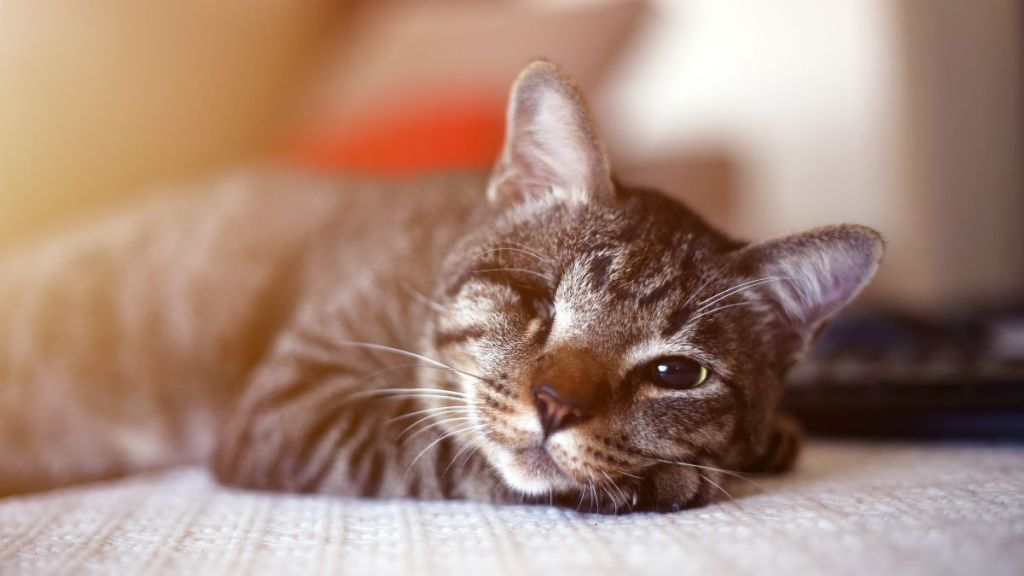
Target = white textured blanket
(864,509)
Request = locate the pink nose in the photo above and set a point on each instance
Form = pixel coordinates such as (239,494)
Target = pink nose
(555,412)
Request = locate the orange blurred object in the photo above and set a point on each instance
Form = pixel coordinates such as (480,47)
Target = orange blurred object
(405,138)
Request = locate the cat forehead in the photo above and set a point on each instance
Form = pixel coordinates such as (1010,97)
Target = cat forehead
(638,224)
(627,284)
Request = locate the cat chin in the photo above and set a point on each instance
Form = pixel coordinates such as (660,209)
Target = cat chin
(530,471)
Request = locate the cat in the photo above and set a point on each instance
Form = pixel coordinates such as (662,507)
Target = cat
(540,334)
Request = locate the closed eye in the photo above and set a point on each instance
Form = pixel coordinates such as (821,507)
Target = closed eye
(514,272)
(539,304)
(534,288)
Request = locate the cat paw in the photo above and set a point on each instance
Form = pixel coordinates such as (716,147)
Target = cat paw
(782,448)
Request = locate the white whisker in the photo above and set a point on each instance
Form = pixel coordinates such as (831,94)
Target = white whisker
(433,305)
(432,410)
(454,393)
(526,249)
(462,467)
(731,473)
(424,419)
(708,302)
(465,445)
(722,490)
(404,393)
(393,350)
(719,308)
(618,489)
(622,472)
(701,288)
(441,438)
(392,396)
(725,291)
(434,425)
(383,371)
(583,495)
(533,255)
(520,270)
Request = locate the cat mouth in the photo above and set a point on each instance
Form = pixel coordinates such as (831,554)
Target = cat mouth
(529,467)
(538,463)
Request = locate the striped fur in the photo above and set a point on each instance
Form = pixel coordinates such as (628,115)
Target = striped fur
(385,340)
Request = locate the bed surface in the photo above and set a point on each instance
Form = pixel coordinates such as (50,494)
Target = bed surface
(850,508)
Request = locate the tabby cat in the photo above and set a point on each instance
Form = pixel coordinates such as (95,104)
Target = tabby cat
(544,334)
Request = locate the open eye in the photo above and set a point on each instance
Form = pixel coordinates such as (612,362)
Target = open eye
(677,373)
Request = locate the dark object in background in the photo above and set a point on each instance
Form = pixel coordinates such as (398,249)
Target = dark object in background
(889,375)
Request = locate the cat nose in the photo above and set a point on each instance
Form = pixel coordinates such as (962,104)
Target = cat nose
(555,411)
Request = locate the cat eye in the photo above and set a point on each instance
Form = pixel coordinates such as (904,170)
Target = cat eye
(677,373)
(542,308)
(537,303)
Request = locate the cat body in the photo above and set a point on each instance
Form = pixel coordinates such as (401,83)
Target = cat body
(539,334)
(128,344)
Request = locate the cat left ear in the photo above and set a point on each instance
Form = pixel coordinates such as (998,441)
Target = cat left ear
(812,275)
(552,148)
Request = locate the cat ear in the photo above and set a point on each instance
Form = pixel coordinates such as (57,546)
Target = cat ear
(812,275)
(552,148)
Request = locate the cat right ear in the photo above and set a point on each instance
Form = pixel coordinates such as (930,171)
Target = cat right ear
(552,148)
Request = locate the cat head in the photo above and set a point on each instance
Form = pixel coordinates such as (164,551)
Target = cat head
(621,349)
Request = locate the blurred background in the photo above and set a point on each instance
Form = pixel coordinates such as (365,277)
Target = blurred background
(769,117)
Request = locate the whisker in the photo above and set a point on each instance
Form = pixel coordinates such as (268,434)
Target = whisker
(428,417)
(720,489)
(610,481)
(441,438)
(533,255)
(432,304)
(433,365)
(719,308)
(393,350)
(527,250)
(392,396)
(404,394)
(465,445)
(454,393)
(434,425)
(707,282)
(728,289)
(521,270)
(743,286)
(617,488)
(383,371)
(434,410)
(462,467)
(624,473)
(731,473)
(605,491)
